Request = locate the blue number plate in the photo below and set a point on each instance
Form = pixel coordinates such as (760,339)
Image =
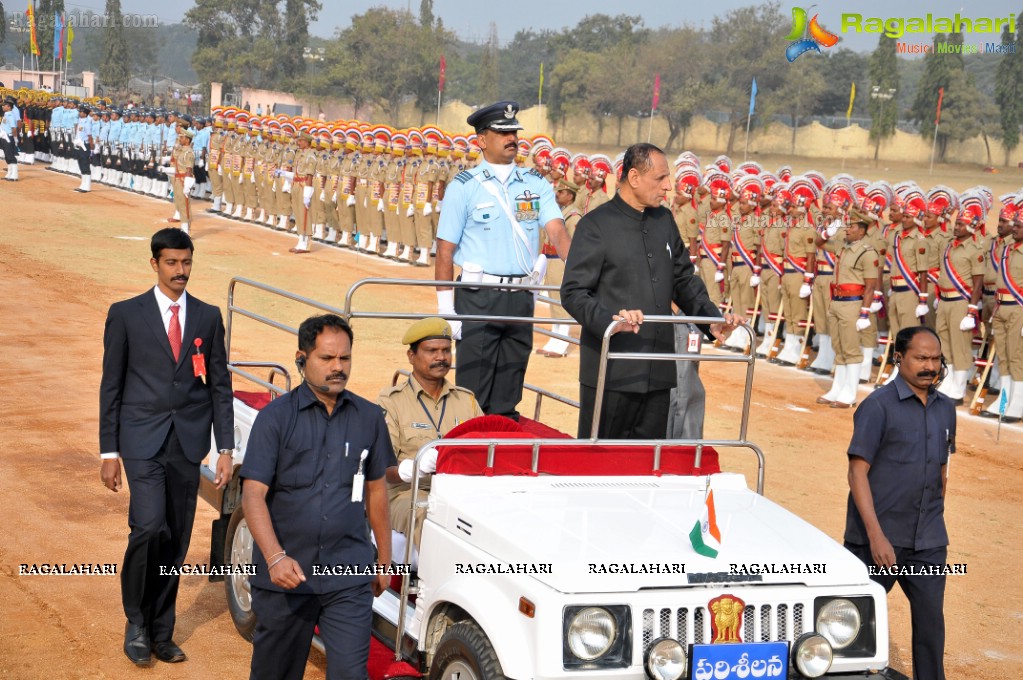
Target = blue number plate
(739,661)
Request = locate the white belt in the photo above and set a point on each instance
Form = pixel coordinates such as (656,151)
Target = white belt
(493,278)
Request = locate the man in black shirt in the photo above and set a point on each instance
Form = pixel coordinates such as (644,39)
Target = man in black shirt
(902,437)
(627,255)
(311,456)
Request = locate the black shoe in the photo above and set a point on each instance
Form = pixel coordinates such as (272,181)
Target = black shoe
(136,644)
(1009,420)
(168,652)
(989,414)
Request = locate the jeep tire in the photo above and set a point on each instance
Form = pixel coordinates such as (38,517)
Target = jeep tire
(238,551)
(465,653)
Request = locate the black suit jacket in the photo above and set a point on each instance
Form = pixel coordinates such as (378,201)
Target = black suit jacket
(144,391)
(622,258)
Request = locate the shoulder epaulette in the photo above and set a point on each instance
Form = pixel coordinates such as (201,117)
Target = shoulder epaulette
(463,177)
(532,171)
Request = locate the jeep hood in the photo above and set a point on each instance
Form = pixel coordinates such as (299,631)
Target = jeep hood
(609,534)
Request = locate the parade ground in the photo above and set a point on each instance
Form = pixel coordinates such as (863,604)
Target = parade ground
(65,257)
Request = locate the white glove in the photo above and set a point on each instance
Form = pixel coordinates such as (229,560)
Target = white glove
(202,163)
(878,302)
(436,206)
(252,178)
(307,196)
(428,461)
(805,290)
(446,306)
(323,196)
(968,323)
(287,186)
(166,160)
(380,205)
(79,144)
(29,133)
(833,228)
(862,324)
(350,201)
(411,211)
(189,183)
(333,198)
(754,280)
(921,310)
(719,276)
(427,210)
(241,179)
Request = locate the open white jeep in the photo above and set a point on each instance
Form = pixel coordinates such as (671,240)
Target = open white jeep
(545,556)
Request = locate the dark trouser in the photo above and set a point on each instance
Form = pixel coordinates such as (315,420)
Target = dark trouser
(160,514)
(688,404)
(625,415)
(10,151)
(200,174)
(284,632)
(82,156)
(926,595)
(492,357)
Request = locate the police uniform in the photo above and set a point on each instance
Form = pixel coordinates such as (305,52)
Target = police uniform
(715,238)
(772,267)
(800,259)
(301,188)
(961,266)
(909,254)
(1007,326)
(745,243)
(182,160)
(856,265)
(556,273)
(414,418)
(8,134)
(476,218)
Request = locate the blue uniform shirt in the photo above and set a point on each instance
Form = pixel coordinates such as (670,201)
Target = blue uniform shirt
(474,220)
(906,444)
(170,135)
(309,459)
(202,139)
(8,123)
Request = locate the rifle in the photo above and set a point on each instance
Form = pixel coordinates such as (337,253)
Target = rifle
(775,346)
(978,397)
(881,374)
(804,357)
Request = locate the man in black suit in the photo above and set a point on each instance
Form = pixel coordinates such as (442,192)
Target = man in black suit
(627,260)
(165,384)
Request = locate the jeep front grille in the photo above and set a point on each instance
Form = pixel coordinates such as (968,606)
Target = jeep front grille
(761,623)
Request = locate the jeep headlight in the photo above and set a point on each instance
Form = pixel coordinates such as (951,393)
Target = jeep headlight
(812,655)
(666,660)
(839,621)
(591,632)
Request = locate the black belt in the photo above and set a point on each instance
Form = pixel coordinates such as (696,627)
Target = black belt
(900,289)
(852,298)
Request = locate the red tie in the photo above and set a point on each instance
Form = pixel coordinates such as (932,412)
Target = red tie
(174,332)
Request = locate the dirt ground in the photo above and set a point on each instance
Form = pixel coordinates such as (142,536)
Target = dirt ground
(65,257)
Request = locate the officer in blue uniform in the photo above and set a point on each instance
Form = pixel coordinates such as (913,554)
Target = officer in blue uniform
(490,227)
(8,131)
(81,141)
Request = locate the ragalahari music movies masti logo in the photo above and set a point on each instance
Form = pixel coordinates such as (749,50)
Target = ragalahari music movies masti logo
(818,37)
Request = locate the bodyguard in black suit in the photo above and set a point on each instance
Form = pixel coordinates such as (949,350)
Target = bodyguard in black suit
(158,402)
(627,260)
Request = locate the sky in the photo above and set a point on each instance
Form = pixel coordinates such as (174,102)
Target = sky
(470,19)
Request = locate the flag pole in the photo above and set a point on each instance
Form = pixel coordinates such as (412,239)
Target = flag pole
(937,121)
(438,108)
(650,128)
(934,144)
(745,152)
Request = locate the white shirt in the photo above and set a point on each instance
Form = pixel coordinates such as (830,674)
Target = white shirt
(165,303)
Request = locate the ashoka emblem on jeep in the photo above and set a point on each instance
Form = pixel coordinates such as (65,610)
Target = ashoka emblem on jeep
(726,618)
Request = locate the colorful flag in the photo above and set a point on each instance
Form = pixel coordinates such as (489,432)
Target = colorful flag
(705,535)
(937,116)
(539,94)
(852,98)
(753,96)
(70,39)
(1003,402)
(657,92)
(58,36)
(443,70)
(30,13)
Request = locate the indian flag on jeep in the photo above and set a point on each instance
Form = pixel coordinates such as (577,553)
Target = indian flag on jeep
(705,535)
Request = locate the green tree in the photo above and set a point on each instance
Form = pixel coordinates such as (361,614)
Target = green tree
(802,86)
(45,19)
(426,13)
(114,68)
(3,25)
(519,65)
(938,70)
(747,42)
(683,88)
(963,111)
(1009,89)
(840,69)
(489,85)
(884,108)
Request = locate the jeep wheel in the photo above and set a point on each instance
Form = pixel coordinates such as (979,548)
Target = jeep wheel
(465,653)
(238,551)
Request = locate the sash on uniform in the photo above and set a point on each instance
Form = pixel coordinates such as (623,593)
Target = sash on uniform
(791,261)
(993,255)
(957,281)
(1015,289)
(707,250)
(740,247)
(911,279)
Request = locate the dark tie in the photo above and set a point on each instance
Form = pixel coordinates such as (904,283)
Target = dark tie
(174,332)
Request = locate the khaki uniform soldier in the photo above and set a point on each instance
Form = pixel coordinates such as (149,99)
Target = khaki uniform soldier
(287,169)
(596,189)
(852,289)
(268,186)
(332,192)
(993,253)
(393,176)
(715,236)
(424,408)
(321,168)
(443,171)
(182,160)
(800,264)
(217,139)
(685,208)
(565,193)
(346,200)
(375,193)
(407,208)
(232,164)
(909,250)
(771,265)
(302,191)
(745,245)
(362,173)
(248,149)
(426,175)
(837,201)
(1007,326)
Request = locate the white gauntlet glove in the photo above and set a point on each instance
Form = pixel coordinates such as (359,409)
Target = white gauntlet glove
(350,201)
(427,465)
(307,196)
(446,306)
(833,228)
(754,280)
(189,183)
(411,211)
(921,308)
(969,321)
(380,205)
(805,290)
(427,210)
(878,302)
